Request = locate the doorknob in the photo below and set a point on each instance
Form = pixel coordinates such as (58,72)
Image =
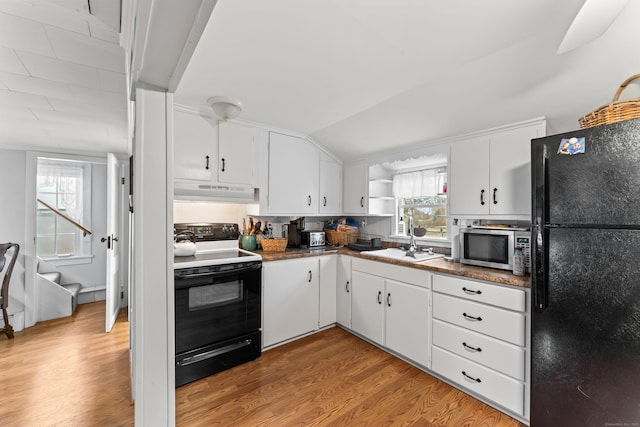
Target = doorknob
(108,240)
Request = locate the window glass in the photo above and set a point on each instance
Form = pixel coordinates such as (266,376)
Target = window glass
(65,186)
(422,196)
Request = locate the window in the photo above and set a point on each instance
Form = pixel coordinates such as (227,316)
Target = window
(65,186)
(422,196)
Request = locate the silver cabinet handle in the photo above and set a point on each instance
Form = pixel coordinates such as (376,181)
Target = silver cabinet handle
(310,276)
(309,200)
(379,295)
(495,190)
(482,197)
(389,299)
(347,287)
(324,201)
(362,202)
(207,165)
(470,291)
(223,165)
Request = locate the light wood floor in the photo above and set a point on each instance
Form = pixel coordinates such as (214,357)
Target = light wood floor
(68,372)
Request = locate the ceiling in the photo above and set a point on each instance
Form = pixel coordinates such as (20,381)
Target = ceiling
(358,76)
(62,76)
(365,76)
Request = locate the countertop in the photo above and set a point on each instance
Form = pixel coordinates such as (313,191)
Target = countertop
(438,265)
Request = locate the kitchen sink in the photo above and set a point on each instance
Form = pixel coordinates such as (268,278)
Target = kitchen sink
(401,255)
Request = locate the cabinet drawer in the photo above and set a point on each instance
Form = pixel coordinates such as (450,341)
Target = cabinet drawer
(496,322)
(513,299)
(487,351)
(499,388)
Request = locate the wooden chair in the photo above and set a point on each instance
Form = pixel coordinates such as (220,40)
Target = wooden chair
(6,272)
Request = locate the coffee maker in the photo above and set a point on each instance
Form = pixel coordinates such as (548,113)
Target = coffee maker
(294,230)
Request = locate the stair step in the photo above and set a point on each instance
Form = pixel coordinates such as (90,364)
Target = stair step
(74,288)
(54,276)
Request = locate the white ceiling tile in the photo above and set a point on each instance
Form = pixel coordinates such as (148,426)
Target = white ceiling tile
(80,119)
(19,99)
(24,35)
(97,97)
(78,49)
(35,86)
(100,30)
(113,82)
(90,110)
(60,71)
(46,13)
(12,112)
(10,62)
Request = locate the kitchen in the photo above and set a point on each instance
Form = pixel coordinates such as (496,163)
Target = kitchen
(451,116)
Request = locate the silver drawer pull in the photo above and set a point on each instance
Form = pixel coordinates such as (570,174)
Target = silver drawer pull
(471,291)
(477,380)
(468,347)
(477,319)
(212,353)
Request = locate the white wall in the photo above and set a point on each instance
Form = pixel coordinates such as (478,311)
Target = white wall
(12,224)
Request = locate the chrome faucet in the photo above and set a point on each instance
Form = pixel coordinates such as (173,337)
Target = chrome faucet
(412,241)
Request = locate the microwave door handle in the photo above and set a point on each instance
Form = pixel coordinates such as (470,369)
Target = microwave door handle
(540,230)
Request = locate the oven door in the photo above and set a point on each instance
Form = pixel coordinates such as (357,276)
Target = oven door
(216,304)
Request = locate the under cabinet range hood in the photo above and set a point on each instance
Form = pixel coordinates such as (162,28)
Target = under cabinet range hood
(213,192)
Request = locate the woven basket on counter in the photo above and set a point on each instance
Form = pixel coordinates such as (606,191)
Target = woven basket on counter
(616,111)
(274,244)
(341,238)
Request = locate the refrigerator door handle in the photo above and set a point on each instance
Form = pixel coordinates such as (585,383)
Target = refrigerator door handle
(539,231)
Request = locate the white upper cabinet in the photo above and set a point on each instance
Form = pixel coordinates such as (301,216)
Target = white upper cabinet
(293,175)
(330,202)
(356,188)
(491,174)
(208,152)
(236,152)
(195,142)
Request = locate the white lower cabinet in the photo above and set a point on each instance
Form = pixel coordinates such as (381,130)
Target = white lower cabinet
(391,307)
(343,291)
(291,292)
(479,340)
(328,272)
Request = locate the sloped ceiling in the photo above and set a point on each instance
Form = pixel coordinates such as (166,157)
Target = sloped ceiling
(363,76)
(62,76)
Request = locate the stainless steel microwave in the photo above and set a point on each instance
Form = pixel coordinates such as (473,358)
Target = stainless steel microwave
(494,247)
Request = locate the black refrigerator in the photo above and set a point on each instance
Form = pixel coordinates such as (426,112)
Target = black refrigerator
(585,305)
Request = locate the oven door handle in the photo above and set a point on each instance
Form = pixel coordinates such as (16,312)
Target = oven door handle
(213,353)
(179,275)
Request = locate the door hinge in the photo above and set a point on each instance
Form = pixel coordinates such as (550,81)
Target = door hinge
(122,180)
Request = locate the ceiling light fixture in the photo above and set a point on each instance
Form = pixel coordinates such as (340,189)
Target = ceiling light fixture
(225,107)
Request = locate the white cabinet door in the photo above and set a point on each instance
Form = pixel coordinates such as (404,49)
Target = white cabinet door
(236,148)
(343,291)
(367,309)
(356,183)
(407,329)
(469,177)
(194,153)
(510,182)
(290,299)
(293,175)
(328,272)
(330,200)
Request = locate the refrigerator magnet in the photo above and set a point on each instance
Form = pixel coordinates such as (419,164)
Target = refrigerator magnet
(571,146)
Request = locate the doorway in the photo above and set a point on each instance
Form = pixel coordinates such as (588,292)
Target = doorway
(62,187)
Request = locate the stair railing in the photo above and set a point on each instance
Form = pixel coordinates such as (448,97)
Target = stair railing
(84,229)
